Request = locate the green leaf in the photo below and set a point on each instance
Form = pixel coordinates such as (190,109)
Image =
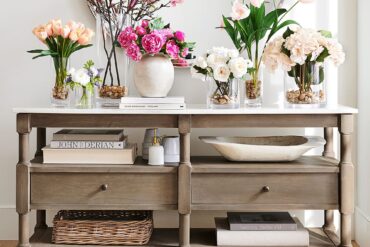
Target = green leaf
(286,23)
(326,34)
(287,33)
(157,24)
(324,54)
(321,75)
(35,51)
(231,31)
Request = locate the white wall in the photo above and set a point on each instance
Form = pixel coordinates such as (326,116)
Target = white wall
(363,172)
(27,83)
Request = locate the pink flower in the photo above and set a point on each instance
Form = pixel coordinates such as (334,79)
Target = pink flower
(239,11)
(166,34)
(133,36)
(144,23)
(175,2)
(56,26)
(180,36)
(257,3)
(85,37)
(140,31)
(41,33)
(152,43)
(185,52)
(125,38)
(133,51)
(172,49)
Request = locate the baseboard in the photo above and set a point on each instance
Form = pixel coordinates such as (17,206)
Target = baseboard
(362,227)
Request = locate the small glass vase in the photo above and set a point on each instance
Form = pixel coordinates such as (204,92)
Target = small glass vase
(305,85)
(254,89)
(223,95)
(60,91)
(83,98)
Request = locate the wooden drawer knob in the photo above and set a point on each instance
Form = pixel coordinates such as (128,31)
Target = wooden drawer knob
(266,189)
(104,187)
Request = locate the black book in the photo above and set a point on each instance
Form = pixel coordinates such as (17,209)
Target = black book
(261,221)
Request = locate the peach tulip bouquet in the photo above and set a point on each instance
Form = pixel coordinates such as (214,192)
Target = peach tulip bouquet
(61,41)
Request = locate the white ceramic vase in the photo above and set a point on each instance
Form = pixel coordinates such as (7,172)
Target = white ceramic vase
(154,76)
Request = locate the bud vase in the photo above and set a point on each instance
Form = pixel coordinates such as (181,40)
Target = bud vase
(254,88)
(83,98)
(223,95)
(305,85)
(60,91)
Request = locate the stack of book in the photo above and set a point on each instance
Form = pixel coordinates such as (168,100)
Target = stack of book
(72,146)
(139,103)
(261,229)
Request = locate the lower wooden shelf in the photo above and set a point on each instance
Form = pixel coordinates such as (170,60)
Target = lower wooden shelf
(199,238)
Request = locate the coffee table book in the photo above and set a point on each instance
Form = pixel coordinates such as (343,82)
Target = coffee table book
(126,156)
(261,221)
(88,135)
(225,237)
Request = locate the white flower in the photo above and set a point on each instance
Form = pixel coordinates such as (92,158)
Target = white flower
(221,73)
(220,51)
(201,62)
(336,52)
(233,53)
(214,59)
(238,66)
(316,53)
(71,71)
(94,71)
(196,75)
(273,56)
(81,76)
(257,3)
(239,11)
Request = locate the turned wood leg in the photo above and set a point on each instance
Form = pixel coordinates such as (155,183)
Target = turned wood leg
(23,231)
(347,190)
(329,152)
(41,143)
(23,180)
(184,177)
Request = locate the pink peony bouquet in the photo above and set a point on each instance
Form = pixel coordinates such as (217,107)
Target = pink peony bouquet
(153,38)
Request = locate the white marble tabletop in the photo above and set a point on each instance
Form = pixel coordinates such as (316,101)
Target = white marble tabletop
(195,110)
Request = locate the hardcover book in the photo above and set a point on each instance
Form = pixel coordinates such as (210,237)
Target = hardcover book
(153,106)
(125,156)
(225,237)
(261,221)
(88,144)
(142,100)
(88,135)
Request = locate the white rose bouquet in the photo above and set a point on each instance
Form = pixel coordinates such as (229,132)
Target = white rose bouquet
(302,53)
(223,66)
(86,78)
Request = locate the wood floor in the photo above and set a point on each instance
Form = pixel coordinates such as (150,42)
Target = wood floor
(11,243)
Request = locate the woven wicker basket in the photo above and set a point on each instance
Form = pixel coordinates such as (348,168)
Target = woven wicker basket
(103,227)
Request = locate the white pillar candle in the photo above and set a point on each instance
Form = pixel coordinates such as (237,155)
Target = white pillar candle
(156,155)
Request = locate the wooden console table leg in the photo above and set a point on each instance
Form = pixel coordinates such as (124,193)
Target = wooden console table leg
(23,180)
(184,178)
(41,143)
(347,190)
(329,152)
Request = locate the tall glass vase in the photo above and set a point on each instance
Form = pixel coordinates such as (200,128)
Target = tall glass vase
(254,88)
(60,92)
(223,95)
(111,57)
(305,85)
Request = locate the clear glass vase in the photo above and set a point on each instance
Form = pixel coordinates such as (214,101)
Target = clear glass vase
(60,91)
(305,85)
(254,88)
(83,98)
(223,95)
(111,57)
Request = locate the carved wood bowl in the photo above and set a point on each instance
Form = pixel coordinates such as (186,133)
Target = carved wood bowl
(263,149)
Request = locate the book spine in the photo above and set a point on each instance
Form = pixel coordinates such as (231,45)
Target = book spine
(128,100)
(263,227)
(87,137)
(87,145)
(153,106)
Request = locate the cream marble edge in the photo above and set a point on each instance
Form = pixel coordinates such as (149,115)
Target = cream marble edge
(195,110)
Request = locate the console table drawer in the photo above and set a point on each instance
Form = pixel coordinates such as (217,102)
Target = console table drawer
(294,189)
(103,189)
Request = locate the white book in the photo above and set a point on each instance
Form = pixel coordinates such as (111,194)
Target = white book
(152,106)
(141,100)
(125,156)
(225,237)
(88,144)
